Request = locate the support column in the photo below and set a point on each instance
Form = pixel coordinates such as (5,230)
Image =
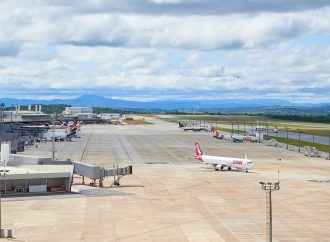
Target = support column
(269,216)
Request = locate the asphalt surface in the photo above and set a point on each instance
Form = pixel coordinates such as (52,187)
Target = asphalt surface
(171,196)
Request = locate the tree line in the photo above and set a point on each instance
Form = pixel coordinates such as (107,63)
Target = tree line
(305,117)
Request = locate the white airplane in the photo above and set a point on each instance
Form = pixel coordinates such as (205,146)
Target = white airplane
(236,138)
(219,163)
(59,135)
(195,129)
(260,128)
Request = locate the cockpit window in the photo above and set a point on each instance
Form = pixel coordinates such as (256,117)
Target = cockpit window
(250,162)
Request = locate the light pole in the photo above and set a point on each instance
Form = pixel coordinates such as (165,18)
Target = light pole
(53,143)
(2,105)
(299,140)
(269,187)
(329,148)
(287,138)
(0,214)
(11,113)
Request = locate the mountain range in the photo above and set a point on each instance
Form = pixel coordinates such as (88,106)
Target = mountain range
(229,105)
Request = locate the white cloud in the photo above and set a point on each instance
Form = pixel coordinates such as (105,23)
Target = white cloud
(151,31)
(58,46)
(166,1)
(211,71)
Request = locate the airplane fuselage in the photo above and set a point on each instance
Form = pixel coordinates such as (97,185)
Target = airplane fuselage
(220,162)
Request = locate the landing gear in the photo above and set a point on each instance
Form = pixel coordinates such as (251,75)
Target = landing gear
(246,171)
(229,168)
(218,167)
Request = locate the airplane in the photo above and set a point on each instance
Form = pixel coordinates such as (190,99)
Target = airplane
(251,138)
(58,135)
(219,163)
(195,129)
(238,138)
(260,128)
(217,135)
(73,128)
(235,138)
(63,134)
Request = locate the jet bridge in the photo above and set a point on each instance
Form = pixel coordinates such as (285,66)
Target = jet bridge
(99,173)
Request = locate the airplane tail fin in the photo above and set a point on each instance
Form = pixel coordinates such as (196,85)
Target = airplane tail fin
(245,156)
(198,150)
(217,134)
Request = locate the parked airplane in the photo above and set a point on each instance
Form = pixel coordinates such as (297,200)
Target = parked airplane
(219,163)
(251,138)
(59,135)
(195,129)
(217,135)
(235,138)
(74,128)
(260,128)
(238,138)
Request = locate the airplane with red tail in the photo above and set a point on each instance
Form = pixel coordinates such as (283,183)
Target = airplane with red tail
(219,163)
(238,138)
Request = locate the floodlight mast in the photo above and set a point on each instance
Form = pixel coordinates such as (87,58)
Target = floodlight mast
(53,140)
(269,187)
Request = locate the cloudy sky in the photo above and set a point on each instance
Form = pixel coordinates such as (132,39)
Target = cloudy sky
(166,49)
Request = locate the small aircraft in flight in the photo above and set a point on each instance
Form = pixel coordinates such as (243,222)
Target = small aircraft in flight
(219,163)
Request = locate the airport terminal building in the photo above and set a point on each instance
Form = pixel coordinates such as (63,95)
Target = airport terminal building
(29,174)
(36,179)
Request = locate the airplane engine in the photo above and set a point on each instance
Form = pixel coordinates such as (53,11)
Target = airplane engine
(218,167)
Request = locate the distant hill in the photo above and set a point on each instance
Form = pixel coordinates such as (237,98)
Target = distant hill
(226,106)
(98,101)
